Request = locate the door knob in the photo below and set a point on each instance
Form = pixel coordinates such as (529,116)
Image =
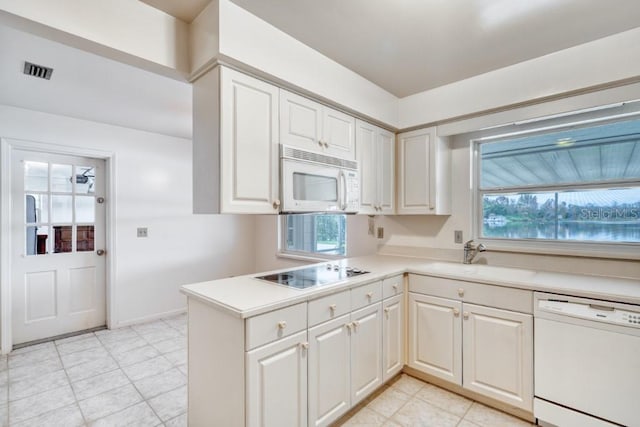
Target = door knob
(100,252)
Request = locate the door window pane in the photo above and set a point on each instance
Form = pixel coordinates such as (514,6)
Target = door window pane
(36,176)
(37,239)
(84,239)
(85,209)
(61,209)
(62,238)
(61,180)
(37,208)
(85,179)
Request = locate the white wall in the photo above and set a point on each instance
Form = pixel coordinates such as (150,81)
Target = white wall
(153,185)
(599,62)
(359,243)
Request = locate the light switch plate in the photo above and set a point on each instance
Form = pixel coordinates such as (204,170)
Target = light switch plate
(380,232)
(143,232)
(457,236)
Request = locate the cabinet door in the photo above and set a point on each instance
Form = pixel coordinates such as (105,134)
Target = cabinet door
(339,134)
(392,336)
(366,151)
(435,336)
(300,122)
(366,351)
(386,172)
(498,354)
(414,166)
(248,144)
(329,371)
(277,383)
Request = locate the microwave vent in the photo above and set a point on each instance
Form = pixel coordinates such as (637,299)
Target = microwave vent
(308,156)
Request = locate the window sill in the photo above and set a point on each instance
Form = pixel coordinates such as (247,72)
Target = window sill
(308,257)
(622,251)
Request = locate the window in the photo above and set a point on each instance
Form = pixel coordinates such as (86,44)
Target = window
(575,184)
(314,234)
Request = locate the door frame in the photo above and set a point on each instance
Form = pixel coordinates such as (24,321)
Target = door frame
(7,146)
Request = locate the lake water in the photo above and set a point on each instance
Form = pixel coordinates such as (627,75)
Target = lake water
(585,231)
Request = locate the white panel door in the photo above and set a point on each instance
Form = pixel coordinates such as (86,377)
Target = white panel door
(300,122)
(277,383)
(392,336)
(386,171)
(329,371)
(249,144)
(414,172)
(58,237)
(435,336)
(498,354)
(338,134)
(366,351)
(366,151)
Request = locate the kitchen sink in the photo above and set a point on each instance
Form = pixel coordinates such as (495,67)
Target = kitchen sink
(481,270)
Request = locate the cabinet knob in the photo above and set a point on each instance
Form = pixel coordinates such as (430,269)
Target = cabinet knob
(282,324)
(326,145)
(320,143)
(386,310)
(356,323)
(304,345)
(349,325)
(465,315)
(461,292)
(395,287)
(370,295)
(332,307)
(456,312)
(276,204)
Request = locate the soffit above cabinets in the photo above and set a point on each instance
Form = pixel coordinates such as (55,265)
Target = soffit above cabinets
(185,10)
(409,46)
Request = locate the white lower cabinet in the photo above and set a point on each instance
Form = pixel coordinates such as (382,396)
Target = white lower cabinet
(392,337)
(345,363)
(329,371)
(483,349)
(277,383)
(435,336)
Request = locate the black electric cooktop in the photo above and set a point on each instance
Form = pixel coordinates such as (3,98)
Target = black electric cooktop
(313,276)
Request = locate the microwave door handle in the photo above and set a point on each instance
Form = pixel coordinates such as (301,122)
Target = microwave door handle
(343,202)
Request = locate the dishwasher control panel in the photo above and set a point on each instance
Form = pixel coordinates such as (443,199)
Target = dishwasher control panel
(600,312)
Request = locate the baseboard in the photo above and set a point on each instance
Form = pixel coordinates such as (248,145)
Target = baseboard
(149,318)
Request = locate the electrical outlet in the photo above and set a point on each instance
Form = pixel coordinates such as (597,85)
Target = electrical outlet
(457,236)
(380,232)
(143,232)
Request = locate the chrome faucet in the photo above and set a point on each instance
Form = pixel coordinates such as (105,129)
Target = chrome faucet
(471,250)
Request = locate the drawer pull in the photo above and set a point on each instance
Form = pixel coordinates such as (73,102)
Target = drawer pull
(461,292)
(332,307)
(282,324)
(456,312)
(395,287)
(370,295)
(465,315)
(304,345)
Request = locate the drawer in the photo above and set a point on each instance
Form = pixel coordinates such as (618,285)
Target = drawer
(365,295)
(274,325)
(329,307)
(478,293)
(392,286)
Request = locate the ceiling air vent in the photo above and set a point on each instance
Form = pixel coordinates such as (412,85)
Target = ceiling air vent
(37,70)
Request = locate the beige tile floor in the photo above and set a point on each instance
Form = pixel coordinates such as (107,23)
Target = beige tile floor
(134,376)
(137,376)
(411,402)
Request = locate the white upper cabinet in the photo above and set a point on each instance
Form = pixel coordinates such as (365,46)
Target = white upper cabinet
(311,126)
(375,149)
(235,144)
(424,173)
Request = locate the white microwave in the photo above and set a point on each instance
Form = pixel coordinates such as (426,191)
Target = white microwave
(315,182)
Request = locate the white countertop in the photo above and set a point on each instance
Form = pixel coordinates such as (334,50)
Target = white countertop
(245,296)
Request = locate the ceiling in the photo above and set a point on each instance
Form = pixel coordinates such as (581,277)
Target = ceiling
(91,87)
(408,46)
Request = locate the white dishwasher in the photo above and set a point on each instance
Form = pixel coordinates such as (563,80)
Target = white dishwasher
(587,362)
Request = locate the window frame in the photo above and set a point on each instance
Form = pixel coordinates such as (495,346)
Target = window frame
(579,119)
(283,252)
